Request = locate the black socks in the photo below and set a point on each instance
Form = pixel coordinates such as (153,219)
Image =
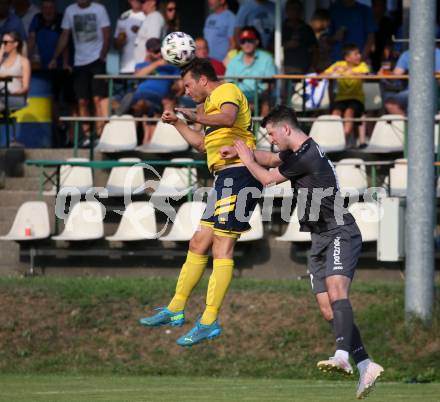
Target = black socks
(343,324)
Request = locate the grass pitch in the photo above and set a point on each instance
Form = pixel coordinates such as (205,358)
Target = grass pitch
(81,388)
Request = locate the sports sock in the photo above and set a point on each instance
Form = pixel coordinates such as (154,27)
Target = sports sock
(190,274)
(362,366)
(217,287)
(343,324)
(358,351)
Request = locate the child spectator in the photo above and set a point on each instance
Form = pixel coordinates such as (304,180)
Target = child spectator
(350,98)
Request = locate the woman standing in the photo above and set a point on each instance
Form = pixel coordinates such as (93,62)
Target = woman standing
(169,11)
(14,64)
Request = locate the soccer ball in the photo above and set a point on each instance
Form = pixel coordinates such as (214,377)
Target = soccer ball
(178,48)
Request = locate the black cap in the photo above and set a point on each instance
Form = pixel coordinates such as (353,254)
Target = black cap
(153,44)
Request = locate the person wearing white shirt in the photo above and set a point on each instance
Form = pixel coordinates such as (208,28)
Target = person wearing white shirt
(26,10)
(152,27)
(126,31)
(90,27)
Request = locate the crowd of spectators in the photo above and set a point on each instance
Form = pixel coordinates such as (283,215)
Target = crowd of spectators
(70,48)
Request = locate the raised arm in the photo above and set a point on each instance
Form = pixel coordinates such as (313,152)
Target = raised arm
(192,137)
(226,117)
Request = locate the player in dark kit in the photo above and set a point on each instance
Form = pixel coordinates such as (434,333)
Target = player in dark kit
(336,239)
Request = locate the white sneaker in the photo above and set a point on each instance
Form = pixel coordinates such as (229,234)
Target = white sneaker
(335,365)
(367,379)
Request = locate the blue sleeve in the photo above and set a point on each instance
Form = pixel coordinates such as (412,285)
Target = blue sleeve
(138,66)
(270,68)
(231,68)
(403,62)
(437,60)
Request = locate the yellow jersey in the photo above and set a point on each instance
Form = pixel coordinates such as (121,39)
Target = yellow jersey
(349,88)
(217,137)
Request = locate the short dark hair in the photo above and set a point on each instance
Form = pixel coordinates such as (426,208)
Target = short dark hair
(199,67)
(348,48)
(281,113)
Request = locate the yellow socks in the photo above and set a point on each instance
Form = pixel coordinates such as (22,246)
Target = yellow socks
(190,274)
(217,287)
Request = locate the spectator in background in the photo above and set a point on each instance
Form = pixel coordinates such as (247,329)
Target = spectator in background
(351,22)
(44,33)
(9,21)
(350,98)
(383,35)
(13,63)
(299,40)
(126,31)
(252,61)
(261,15)
(150,94)
(202,52)
(320,24)
(171,16)
(152,27)
(219,29)
(397,102)
(90,27)
(26,10)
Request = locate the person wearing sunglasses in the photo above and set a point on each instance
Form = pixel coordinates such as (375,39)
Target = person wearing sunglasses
(171,16)
(14,64)
(252,61)
(149,95)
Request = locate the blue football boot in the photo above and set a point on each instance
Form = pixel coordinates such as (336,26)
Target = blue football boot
(164,317)
(200,333)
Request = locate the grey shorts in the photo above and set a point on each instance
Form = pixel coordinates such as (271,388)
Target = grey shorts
(334,252)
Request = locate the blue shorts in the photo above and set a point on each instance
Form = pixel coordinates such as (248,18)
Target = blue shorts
(231,203)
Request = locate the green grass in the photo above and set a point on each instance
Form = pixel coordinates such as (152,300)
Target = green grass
(53,325)
(58,388)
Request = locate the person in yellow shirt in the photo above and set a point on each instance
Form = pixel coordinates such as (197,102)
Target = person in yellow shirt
(224,112)
(350,98)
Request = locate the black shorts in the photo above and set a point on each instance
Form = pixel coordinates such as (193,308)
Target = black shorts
(334,252)
(231,203)
(85,86)
(354,104)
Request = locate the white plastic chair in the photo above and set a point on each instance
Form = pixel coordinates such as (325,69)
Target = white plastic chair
(30,223)
(373,96)
(388,135)
(352,176)
(256,231)
(398,178)
(367,218)
(84,222)
(119,134)
(292,232)
(328,132)
(125,178)
(176,182)
(165,139)
(138,223)
(186,222)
